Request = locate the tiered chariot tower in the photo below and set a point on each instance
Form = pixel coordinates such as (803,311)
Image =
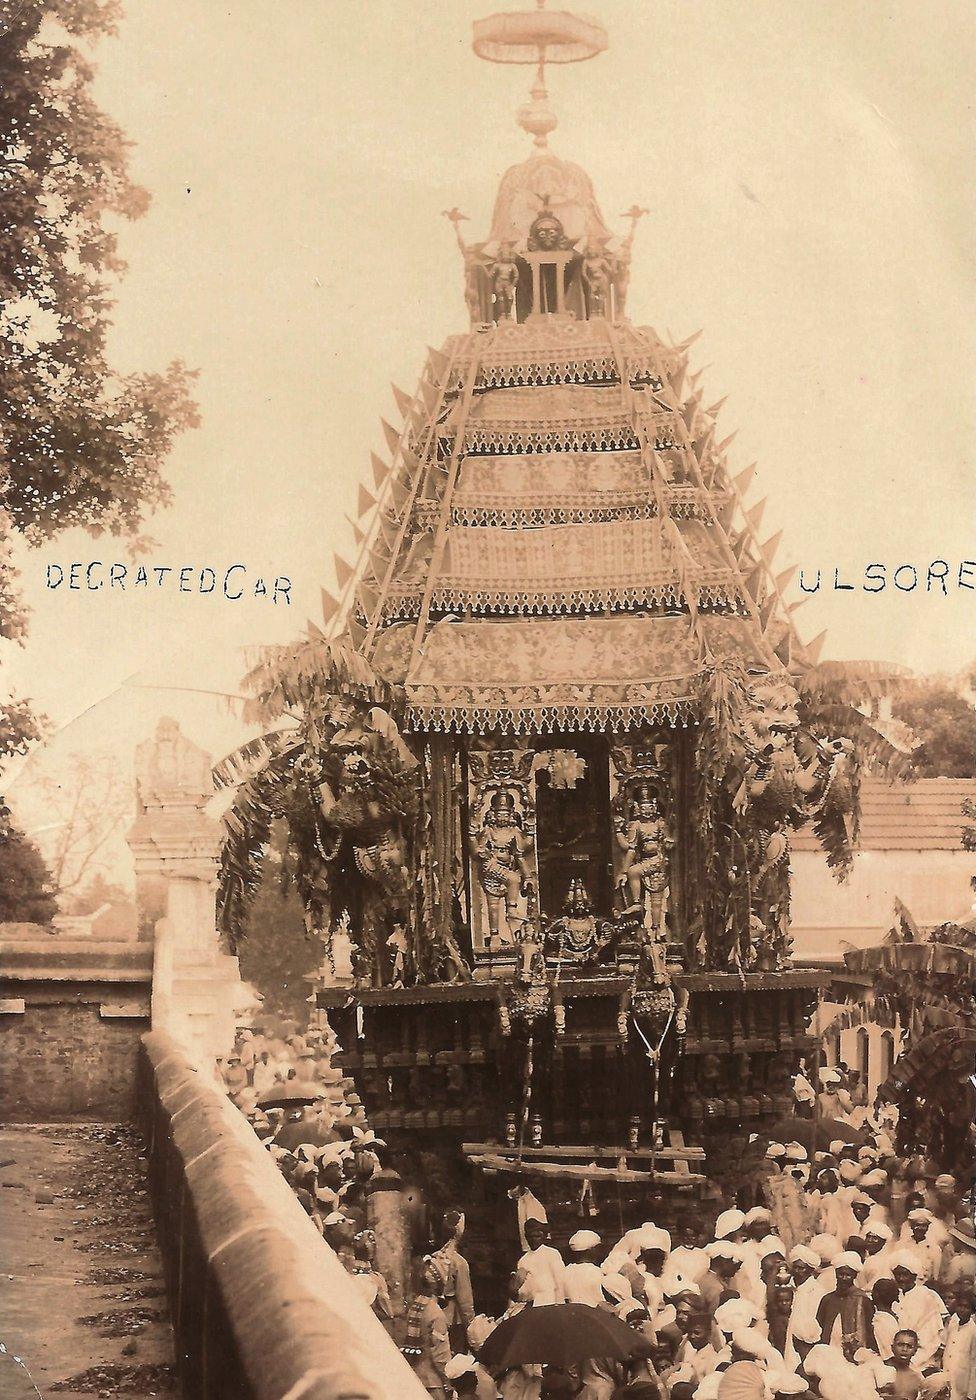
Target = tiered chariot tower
(559,563)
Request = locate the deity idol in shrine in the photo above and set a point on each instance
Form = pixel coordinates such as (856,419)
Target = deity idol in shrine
(646,845)
(501,850)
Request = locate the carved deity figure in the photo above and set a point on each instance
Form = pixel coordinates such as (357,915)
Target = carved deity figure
(502,852)
(472,287)
(596,275)
(504,281)
(547,234)
(646,845)
(620,277)
(576,937)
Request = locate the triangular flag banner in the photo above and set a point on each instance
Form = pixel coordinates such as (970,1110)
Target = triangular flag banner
(784,579)
(410,461)
(782,649)
(726,442)
(767,610)
(439,361)
(343,570)
(431,394)
(357,632)
(678,379)
(716,407)
(400,494)
(391,434)
(814,648)
(389,529)
(686,344)
(768,550)
(402,399)
(330,605)
(367,599)
(754,581)
(725,513)
(744,479)
(366,500)
(690,409)
(315,632)
(754,515)
(380,470)
(357,534)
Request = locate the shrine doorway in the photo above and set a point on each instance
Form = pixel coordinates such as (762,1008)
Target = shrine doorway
(573,823)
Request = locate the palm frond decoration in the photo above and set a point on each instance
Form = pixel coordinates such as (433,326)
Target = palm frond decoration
(299,676)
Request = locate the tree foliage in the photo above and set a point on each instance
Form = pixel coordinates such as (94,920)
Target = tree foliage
(278,952)
(80,444)
(86,804)
(944,725)
(26,894)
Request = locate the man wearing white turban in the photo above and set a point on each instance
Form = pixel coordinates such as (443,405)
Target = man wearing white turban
(808,1291)
(879,1246)
(583,1275)
(919,1308)
(845,1314)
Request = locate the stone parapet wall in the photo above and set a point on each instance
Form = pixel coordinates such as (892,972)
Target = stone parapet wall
(71,1015)
(262,1308)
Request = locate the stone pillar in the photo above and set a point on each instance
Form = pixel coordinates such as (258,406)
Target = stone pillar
(176,847)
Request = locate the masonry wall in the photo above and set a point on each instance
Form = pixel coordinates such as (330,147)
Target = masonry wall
(71,1016)
(61,1057)
(262,1308)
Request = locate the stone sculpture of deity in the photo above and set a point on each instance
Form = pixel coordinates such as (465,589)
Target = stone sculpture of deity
(596,275)
(646,847)
(502,852)
(504,281)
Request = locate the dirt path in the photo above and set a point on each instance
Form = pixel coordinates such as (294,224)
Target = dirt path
(82,1301)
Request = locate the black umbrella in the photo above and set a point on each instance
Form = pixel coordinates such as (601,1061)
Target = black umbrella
(286,1096)
(804,1130)
(557,1334)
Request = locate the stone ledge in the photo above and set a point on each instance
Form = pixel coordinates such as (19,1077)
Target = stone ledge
(262,1307)
(75,960)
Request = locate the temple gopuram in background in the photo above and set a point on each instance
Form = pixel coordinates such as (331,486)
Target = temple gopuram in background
(548,760)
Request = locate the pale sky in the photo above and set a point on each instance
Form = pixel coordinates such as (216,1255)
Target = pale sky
(808,167)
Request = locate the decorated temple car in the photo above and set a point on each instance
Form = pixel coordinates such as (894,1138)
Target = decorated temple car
(545,767)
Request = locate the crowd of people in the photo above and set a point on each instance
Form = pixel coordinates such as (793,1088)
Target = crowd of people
(870,1294)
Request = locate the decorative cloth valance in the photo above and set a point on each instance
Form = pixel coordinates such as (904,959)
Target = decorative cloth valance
(578,673)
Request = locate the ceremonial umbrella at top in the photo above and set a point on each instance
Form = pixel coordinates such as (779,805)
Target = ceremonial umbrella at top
(557,1334)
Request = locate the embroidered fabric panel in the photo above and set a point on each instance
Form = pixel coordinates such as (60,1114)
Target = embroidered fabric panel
(511,479)
(550,403)
(620,651)
(622,552)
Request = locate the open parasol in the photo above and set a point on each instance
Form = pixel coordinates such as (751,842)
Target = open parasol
(558,1334)
(285,1096)
(803,1130)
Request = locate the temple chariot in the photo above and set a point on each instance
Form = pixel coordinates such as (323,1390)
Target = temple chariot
(552,747)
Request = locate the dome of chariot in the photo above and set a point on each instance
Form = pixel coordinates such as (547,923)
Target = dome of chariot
(544,185)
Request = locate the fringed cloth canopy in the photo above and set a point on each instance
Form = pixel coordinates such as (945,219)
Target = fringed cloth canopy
(577,674)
